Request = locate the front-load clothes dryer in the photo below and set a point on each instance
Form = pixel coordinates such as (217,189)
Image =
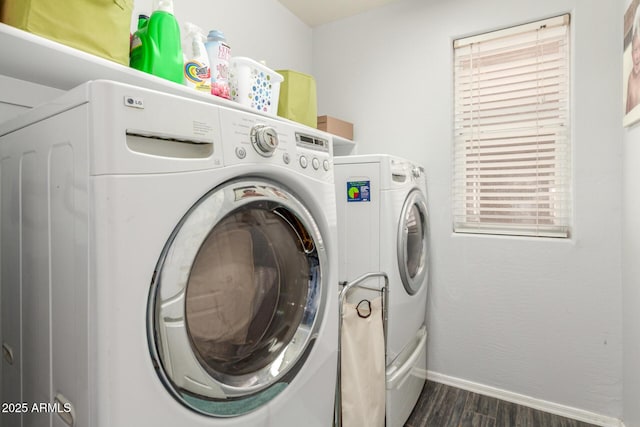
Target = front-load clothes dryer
(166,262)
(383,226)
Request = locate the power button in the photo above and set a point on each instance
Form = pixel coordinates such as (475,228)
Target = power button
(241,152)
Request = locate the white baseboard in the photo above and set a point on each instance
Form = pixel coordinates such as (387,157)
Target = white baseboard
(531,402)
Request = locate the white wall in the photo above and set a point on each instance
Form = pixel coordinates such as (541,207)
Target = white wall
(631,270)
(538,317)
(631,277)
(260,29)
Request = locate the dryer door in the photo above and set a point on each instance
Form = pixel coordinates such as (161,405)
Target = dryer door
(237,298)
(413,243)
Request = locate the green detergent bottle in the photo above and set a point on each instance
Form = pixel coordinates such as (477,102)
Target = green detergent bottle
(155,47)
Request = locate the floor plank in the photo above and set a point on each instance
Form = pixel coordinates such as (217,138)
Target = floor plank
(441,405)
(474,419)
(506,414)
(446,413)
(482,404)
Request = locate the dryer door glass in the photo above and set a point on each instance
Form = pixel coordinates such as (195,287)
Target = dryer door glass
(413,244)
(237,298)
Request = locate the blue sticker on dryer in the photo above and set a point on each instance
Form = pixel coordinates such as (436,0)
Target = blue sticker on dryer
(358,191)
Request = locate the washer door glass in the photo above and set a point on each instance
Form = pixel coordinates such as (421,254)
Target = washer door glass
(237,296)
(413,249)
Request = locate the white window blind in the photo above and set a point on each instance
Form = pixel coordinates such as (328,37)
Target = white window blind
(512,157)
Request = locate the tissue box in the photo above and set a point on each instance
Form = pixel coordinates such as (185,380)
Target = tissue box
(298,98)
(100,27)
(336,126)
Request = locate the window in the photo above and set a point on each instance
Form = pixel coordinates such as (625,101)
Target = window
(512,157)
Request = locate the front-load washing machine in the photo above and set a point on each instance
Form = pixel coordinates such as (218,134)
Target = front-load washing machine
(166,262)
(383,226)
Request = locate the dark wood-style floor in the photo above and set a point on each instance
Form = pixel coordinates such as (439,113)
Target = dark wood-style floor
(441,405)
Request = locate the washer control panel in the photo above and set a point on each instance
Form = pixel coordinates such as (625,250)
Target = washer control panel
(316,146)
(250,138)
(312,142)
(264,139)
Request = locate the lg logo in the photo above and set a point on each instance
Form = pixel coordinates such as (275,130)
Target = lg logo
(134,102)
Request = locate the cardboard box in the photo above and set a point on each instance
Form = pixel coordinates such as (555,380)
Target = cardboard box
(336,126)
(100,27)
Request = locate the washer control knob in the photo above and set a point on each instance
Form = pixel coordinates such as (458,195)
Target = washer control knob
(286,158)
(417,172)
(304,162)
(241,153)
(315,163)
(325,165)
(264,139)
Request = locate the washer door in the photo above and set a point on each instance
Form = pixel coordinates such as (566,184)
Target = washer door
(237,297)
(413,245)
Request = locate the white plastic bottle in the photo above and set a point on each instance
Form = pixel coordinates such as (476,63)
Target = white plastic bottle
(219,55)
(197,72)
